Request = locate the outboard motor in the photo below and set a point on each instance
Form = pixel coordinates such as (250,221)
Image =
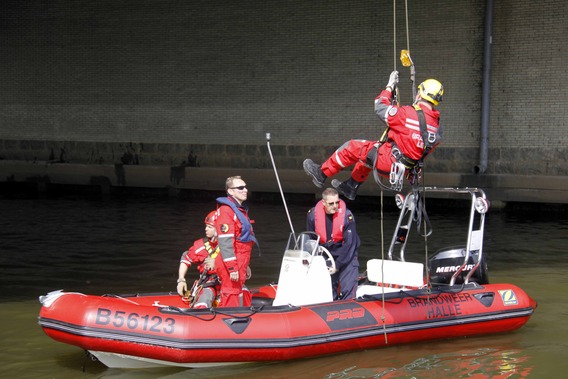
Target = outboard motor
(446,262)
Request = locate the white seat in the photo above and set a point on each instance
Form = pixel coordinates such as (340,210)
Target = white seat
(388,272)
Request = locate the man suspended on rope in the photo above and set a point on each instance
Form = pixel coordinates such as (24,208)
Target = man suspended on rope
(412,133)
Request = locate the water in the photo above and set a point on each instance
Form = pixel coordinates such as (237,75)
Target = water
(133,245)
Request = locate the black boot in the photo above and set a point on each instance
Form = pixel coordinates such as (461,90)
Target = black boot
(314,170)
(347,188)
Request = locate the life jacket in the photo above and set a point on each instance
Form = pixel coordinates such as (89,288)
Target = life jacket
(338,222)
(246,227)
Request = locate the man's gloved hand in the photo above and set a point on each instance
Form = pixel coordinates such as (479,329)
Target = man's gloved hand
(209,263)
(393,79)
(249,273)
(182,288)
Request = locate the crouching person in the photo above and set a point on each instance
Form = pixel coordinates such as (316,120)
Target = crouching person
(202,253)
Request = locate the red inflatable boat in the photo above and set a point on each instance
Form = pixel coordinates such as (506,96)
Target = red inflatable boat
(297,318)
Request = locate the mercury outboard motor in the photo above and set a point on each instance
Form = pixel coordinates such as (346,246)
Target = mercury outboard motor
(446,262)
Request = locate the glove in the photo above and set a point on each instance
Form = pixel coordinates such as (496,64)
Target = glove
(249,273)
(393,79)
(209,263)
(182,288)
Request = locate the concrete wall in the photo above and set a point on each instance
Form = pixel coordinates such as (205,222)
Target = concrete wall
(199,83)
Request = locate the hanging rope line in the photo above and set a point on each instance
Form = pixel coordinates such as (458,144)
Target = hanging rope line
(406,60)
(419,175)
(395,97)
(383,317)
(394,33)
(428,284)
(379,182)
(418,172)
(407,31)
(412,70)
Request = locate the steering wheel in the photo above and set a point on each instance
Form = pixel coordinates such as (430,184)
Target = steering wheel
(329,261)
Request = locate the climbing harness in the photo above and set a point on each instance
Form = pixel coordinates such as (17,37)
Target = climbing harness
(205,279)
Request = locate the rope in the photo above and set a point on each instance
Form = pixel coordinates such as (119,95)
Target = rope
(407,31)
(383,318)
(395,97)
(412,68)
(379,182)
(425,219)
(214,312)
(428,284)
(394,33)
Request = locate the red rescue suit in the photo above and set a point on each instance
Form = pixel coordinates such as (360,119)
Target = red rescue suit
(196,254)
(235,253)
(403,132)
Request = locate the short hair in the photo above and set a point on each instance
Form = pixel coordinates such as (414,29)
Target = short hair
(329,192)
(229,181)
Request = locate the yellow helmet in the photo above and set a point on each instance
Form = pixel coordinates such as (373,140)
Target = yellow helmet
(431,90)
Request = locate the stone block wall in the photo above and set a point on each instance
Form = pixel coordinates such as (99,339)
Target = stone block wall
(443,160)
(200,83)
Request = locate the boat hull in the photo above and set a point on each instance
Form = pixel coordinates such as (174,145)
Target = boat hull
(149,330)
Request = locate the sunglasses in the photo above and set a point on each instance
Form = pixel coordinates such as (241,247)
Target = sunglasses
(240,188)
(332,202)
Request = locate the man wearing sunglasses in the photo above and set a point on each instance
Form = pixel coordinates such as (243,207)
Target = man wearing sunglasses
(335,225)
(236,239)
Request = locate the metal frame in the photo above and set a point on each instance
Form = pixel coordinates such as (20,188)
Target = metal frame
(479,206)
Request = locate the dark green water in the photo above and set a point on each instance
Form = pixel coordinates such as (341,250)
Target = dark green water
(112,246)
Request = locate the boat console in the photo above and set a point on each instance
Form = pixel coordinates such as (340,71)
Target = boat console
(305,272)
